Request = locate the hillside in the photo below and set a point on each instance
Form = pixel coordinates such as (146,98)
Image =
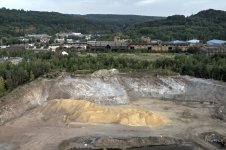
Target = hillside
(118,22)
(205,25)
(20,22)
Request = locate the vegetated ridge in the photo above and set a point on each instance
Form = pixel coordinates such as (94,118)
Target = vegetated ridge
(20,22)
(205,25)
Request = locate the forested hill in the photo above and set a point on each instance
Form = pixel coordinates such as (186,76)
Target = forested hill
(208,24)
(118,22)
(20,22)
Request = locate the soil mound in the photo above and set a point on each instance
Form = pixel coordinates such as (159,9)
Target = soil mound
(88,112)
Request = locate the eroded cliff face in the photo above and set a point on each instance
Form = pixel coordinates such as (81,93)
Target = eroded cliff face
(112,88)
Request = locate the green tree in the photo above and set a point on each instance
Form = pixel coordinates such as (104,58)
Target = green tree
(32,76)
(2,86)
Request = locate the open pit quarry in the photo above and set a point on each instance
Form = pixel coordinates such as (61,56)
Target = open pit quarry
(113,110)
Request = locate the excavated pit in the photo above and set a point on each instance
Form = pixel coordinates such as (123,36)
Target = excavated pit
(113,88)
(46,112)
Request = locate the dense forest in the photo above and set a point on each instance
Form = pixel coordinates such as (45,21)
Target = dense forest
(206,25)
(20,22)
(118,23)
(35,65)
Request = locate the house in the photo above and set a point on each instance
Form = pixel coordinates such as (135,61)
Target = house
(193,42)
(30,46)
(61,35)
(38,36)
(75,34)
(53,47)
(156,42)
(70,41)
(23,39)
(3,59)
(44,38)
(88,37)
(145,39)
(13,60)
(179,43)
(64,53)
(3,47)
(61,41)
(216,43)
(66,35)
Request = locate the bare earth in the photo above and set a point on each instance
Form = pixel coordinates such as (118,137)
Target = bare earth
(139,105)
(40,131)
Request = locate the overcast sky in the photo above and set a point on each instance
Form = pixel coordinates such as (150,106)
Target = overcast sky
(139,7)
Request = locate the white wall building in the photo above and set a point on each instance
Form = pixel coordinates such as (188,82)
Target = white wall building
(64,53)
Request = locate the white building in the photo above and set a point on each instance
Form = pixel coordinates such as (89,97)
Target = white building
(88,37)
(53,48)
(75,34)
(61,41)
(66,35)
(3,47)
(64,53)
(70,41)
(193,42)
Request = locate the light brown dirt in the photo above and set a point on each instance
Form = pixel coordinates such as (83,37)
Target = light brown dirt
(88,112)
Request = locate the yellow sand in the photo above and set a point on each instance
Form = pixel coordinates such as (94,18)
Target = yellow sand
(87,112)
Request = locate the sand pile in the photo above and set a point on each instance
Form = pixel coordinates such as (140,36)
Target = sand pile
(87,112)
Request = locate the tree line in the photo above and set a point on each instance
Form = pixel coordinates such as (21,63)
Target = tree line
(35,65)
(196,65)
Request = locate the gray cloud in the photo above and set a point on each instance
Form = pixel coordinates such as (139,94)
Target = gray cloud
(140,7)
